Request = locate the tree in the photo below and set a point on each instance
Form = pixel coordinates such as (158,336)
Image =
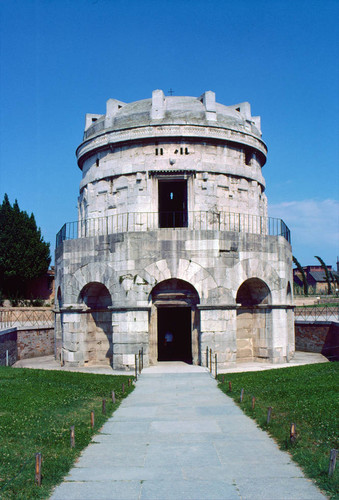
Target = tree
(24,255)
(303,275)
(327,274)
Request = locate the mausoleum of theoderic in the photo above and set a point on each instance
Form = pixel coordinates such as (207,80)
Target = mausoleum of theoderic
(173,251)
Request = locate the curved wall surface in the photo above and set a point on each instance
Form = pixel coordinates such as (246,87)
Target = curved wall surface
(172,200)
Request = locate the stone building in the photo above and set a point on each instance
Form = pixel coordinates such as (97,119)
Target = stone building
(173,250)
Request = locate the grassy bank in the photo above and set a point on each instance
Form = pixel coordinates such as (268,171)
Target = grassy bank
(304,395)
(37,409)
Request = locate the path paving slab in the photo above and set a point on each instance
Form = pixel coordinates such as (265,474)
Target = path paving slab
(178,437)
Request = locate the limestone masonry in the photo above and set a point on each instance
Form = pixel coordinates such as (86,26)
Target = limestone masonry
(173,251)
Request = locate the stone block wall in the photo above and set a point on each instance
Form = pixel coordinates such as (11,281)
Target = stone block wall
(33,342)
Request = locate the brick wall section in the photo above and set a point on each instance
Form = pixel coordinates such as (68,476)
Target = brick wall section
(318,337)
(8,342)
(33,342)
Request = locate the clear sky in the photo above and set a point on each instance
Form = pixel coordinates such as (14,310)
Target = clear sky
(61,59)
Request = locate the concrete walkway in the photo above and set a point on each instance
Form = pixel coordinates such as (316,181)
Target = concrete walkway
(177,436)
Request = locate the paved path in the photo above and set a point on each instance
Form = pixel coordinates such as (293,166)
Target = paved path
(177,436)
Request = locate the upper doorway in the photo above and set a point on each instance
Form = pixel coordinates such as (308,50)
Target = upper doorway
(172,203)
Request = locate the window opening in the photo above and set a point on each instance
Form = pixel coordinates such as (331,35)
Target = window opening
(186,151)
(161,151)
(156,152)
(97,162)
(172,203)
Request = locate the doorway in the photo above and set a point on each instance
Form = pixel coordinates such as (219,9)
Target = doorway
(174,334)
(172,203)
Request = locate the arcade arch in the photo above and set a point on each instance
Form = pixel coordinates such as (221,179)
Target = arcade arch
(254,321)
(96,323)
(174,322)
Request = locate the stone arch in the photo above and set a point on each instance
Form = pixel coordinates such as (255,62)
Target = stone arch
(250,268)
(289,294)
(254,321)
(253,291)
(185,270)
(59,298)
(174,329)
(290,349)
(96,323)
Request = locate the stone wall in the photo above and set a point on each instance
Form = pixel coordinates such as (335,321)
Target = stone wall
(318,337)
(26,342)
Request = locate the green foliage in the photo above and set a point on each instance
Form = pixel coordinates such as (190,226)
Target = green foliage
(37,409)
(24,255)
(303,276)
(305,395)
(327,274)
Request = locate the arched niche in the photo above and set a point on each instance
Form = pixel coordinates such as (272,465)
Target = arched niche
(253,292)
(174,322)
(96,324)
(254,321)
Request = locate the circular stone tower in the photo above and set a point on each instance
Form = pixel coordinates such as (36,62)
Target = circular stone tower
(173,251)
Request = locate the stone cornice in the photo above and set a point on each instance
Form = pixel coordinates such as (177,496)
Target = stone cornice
(107,137)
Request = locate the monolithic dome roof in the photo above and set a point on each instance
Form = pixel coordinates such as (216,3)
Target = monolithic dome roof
(173,110)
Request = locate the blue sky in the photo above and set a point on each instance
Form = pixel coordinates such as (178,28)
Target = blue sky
(61,59)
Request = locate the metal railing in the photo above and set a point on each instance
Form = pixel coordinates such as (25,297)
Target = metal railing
(25,317)
(323,313)
(148,221)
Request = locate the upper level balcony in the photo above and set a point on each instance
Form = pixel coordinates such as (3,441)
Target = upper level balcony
(150,221)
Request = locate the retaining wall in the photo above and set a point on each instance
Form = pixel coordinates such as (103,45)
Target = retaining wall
(318,337)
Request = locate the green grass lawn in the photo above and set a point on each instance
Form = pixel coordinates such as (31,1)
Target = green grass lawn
(37,409)
(304,395)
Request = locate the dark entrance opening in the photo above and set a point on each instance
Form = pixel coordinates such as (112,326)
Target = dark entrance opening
(173,203)
(174,334)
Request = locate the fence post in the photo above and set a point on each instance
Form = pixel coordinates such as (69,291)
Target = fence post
(72,436)
(333,459)
(7,360)
(104,406)
(38,469)
(210,360)
(207,357)
(136,366)
(292,433)
(216,365)
(113,397)
(92,419)
(241,395)
(269,411)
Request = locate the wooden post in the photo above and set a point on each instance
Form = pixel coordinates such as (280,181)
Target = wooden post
(241,395)
(38,469)
(333,459)
(293,436)
(253,402)
(104,406)
(216,365)
(92,419)
(269,411)
(129,382)
(210,360)
(206,357)
(230,386)
(142,358)
(72,436)
(223,378)
(123,388)
(136,366)
(113,397)
(7,360)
